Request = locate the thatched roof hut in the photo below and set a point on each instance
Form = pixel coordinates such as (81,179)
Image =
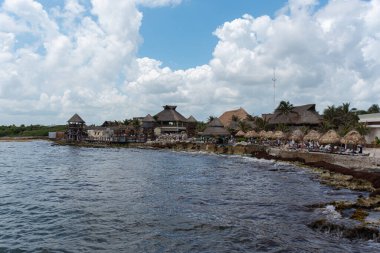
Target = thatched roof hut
(353,137)
(300,115)
(191,119)
(76,119)
(169,114)
(269,135)
(215,128)
(262,134)
(226,117)
(330,137)
(279,135)
(312,136)
(296,135)
(240,134)
(251,134)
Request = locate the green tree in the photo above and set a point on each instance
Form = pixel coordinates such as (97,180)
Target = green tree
(285,108)
(374,109)
(235,118)
(362,128)
(261,124)
(210,118)
(243,126)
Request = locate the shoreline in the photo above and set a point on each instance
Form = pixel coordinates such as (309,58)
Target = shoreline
(356,169)
(22,138)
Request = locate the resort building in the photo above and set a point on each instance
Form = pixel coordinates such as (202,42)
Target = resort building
(75,128)
(230,119)
(304,115)
(215,129)
(372,121)
(170,121)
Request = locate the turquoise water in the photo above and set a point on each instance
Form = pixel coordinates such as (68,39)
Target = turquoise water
(71,199)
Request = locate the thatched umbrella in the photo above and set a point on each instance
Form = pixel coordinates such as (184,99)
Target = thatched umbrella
(240,134)
(330,137)
(296,135)
(263,134)
(312,136)
(251,134)
(279,135)
(269,135)
(353,137)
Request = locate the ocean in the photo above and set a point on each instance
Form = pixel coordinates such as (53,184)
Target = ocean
(74,199)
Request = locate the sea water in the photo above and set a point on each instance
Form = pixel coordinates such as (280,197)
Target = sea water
(74,199)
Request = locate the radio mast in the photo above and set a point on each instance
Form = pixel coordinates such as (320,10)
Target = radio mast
(274,88)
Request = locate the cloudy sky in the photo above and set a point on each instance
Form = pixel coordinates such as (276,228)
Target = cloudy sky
(111,60)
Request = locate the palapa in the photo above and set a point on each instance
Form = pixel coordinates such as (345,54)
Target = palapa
(312,136)
(269,135)
(240,134)
(330,137)
(263,134)
(296,135)
(353,137)
(279,135)
(251,134)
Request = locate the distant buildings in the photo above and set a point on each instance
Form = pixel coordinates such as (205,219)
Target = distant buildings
(304,115)
(372,121)
(75,128)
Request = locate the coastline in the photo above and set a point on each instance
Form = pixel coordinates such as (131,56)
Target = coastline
(355,169)
(23,138)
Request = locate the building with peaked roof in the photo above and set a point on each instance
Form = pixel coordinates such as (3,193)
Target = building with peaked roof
(227,118)
(372,121)
(191,126)
(304,115)
(170,121)
(215,129)
(75,128)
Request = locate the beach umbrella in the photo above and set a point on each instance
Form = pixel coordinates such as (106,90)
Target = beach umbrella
(240,134)
(251,134)
(296,135)
(330,137)
(353,137)
(312,136)
(262,134)
(269,135)
(279,135)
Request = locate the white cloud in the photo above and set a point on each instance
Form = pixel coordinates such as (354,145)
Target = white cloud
(158,3)
(74,59)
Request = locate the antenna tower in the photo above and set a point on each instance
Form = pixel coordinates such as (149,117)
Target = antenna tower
(274,88)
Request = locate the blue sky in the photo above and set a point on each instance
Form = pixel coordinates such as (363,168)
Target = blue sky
(182,36)
(112,60)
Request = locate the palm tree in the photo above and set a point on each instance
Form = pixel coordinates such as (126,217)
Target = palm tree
(362,128)
(210,118)
(261,123)
(235,118)
(243,126)
(374,109)
(284,108)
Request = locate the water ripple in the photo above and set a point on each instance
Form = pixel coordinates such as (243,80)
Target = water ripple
(69,199)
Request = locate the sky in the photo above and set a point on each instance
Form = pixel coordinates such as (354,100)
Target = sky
(112,60)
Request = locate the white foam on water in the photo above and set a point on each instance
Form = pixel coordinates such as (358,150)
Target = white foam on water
(331,212)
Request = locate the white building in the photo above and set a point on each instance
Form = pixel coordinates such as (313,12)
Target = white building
(372,121)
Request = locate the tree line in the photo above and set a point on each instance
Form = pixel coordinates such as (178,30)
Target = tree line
(30,130)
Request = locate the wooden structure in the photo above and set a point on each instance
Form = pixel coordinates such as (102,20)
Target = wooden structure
(304,115)
(215,129)
(170,121)
(75,128)
(191,126)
